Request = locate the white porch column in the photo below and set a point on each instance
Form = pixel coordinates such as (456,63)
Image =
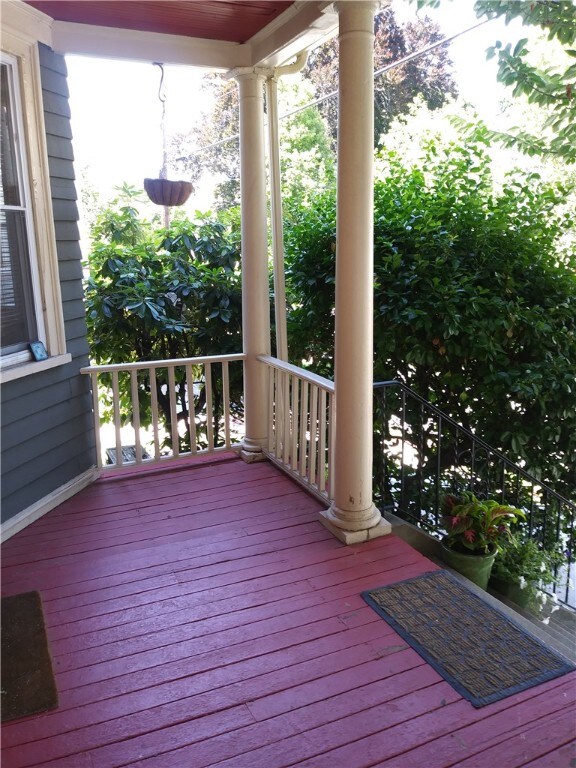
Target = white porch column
(255,292)
(353,516)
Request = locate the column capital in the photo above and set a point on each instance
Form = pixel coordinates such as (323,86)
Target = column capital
(249,73)
(359,5)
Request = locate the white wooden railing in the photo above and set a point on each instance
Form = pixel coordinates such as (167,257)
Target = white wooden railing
(122,388)
(300,434)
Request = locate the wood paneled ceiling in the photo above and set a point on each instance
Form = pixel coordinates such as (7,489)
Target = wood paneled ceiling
(234,21)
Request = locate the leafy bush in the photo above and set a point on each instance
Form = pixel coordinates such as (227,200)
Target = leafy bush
(155,294)
(475,298)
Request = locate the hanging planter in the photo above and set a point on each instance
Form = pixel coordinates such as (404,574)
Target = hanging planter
(166,192)
(162,191)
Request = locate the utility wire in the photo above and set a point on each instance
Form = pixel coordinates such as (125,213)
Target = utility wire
(381,71)
(393,65)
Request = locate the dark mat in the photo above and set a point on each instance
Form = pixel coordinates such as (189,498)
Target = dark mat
(28,685)
(483,654)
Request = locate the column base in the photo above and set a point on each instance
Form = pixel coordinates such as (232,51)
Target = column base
(382,528)
(251,457)
(250,451)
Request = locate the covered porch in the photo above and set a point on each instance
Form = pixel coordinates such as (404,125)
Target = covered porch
(201,615)
(256,44)
(208,611)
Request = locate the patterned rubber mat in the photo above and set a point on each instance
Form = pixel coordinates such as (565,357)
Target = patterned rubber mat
(483,654)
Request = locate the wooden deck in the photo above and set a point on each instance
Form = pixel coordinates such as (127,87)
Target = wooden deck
(203,617)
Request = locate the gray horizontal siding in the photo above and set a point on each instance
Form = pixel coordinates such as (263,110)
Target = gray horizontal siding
(64,435)
(28,402)
(68,259)
(59,146)
(60,169)
(44,471)
(56,125)
(47,428)
(67,230)
(55,103)
(64,209)
(78,347)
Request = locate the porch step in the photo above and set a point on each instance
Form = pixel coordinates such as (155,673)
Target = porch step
(560,631)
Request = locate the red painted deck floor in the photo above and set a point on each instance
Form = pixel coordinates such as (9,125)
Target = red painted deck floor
(203,617)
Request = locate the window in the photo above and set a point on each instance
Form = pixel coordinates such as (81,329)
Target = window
(30,296)
(21,309)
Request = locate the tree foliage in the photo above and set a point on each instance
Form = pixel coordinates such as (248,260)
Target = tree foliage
(157,294)
(551,86)
(212,146)
(307,159)
(475,297)
(428,75)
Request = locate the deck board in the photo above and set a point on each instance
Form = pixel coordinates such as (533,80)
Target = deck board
(202,616)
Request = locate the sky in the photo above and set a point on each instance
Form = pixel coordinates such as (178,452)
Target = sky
(116,113)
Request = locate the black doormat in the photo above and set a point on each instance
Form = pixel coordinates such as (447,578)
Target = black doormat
(483,654)
(28,685)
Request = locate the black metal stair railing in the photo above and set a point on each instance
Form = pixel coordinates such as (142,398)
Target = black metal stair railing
(420,454)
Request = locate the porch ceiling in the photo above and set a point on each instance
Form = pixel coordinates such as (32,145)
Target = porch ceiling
(220,34)
(234,21)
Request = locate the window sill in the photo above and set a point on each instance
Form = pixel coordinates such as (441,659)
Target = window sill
(27,369)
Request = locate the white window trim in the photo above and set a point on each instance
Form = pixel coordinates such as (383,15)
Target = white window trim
(20,39)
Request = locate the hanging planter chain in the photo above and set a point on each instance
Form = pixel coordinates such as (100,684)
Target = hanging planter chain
(162,191)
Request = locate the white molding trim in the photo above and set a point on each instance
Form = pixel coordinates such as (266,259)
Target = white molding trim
(110,42)
(40,508)
(29,24)
(28,368)
(303,26)
(22,44)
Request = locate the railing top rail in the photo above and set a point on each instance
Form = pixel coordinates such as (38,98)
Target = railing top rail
(147,364)
(478,440)
(308,376)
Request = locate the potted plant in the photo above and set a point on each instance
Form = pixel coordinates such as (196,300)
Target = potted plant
(476,531)
(523,568)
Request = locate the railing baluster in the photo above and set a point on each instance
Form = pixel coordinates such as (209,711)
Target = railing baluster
(419,471)
(136,414)
(322,441)
(303,429)
(455,488)
(312,460)
(280,406)
(286,400)
(191,409)
(96,407)
(173,411)
(437,495)
(403,448)
(226,396)
(331,445)
(209,406)
(295,422)
(472,466)
(117,425)
(272,420)
(517,492)
(155,415)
